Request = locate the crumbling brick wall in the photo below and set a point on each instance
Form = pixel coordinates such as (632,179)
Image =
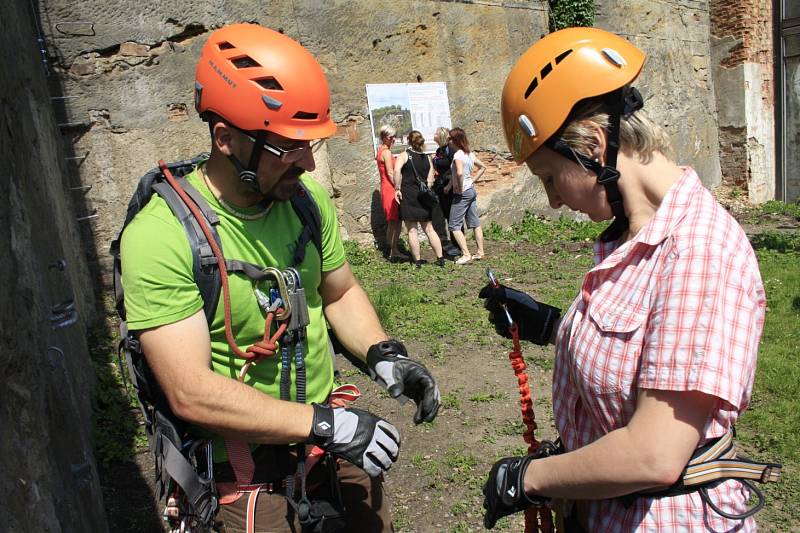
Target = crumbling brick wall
(743,31)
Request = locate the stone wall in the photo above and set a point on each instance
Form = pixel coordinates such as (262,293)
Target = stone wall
(48,478)
(131,74)
(741,37)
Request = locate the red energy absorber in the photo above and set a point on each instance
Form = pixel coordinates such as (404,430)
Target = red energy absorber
(261,349)
(536,518)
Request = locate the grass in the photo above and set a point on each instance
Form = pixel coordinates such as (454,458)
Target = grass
(769,429)
(773,207)
(117,432)
(539,230)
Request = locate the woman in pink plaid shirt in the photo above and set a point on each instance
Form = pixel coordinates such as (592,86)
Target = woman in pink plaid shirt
(655,357)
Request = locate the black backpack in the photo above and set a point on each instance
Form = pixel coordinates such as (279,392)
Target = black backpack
(179,460)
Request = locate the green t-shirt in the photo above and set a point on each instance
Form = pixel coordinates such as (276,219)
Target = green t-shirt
(160,289)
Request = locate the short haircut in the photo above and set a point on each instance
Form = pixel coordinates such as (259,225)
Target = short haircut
(386,131)
(638,134)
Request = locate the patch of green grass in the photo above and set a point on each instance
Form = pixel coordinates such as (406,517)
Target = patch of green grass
(540,230)
(768,429)
(542,361)
(773,207)
(117,433)
(483,397)
(515,427)
(777,241)
(452,400)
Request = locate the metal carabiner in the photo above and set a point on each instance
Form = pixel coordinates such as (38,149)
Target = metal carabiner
(293,278)
(282,290)
(494,283)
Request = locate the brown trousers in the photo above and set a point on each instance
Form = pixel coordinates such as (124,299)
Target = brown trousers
(366,508)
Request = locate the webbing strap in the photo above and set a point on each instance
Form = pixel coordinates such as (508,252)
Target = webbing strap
(719,460)
(206,275)
(199,493)
(714,462)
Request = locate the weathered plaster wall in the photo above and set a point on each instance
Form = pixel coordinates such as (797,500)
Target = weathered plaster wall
(131,72)
(48,479)
(743,72)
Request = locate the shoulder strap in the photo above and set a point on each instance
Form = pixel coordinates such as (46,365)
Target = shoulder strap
(203,262)
(413,167)
(307,211)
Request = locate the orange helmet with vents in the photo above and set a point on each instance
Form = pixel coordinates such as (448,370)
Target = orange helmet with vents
(556,73)
(259,79)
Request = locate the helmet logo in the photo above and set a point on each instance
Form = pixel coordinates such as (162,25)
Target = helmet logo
(527,125)
(221,74)
(615,58)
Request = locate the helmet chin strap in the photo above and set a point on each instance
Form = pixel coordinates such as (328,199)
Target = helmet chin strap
(248,174)
(624,102)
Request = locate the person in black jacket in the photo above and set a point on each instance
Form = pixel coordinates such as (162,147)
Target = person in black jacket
(442,161)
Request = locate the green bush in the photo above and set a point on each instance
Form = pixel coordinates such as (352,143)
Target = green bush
(570,13)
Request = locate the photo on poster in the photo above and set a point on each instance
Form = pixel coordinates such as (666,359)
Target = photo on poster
(408,106)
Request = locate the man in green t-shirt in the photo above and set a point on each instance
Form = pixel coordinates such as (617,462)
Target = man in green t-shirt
(266,99)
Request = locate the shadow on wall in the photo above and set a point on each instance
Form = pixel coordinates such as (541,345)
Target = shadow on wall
(377,222)
(378,225)
(128,494)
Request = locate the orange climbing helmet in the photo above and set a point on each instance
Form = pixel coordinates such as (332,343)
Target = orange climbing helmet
(556,73)
(258,79)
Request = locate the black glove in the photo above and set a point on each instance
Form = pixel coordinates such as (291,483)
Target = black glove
(357,436)
(389,366)
(504,491)
(535,320)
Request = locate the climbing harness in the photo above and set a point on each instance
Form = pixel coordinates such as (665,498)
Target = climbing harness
(536,518)
(183,464)
(711,464)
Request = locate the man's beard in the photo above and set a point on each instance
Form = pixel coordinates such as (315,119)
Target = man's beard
(286,186)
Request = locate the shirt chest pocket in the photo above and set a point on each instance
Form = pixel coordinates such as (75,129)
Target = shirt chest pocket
(608,345)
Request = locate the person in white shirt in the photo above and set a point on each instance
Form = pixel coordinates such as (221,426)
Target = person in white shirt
(465,206)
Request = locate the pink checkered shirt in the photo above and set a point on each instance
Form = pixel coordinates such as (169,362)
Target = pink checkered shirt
(679,307)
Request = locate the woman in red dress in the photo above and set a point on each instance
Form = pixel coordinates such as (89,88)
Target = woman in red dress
(391,208)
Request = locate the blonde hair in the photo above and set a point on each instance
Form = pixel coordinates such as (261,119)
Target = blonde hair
(638,134)
(441,135)
(386,131)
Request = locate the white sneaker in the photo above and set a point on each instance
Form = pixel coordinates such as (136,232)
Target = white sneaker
(464,259)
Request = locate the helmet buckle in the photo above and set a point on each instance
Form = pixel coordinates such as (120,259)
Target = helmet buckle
(607,175)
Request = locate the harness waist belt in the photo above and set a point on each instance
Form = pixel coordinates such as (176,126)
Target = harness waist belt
(717,461)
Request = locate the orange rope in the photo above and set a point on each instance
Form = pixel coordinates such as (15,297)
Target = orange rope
(536,518)
(266,347)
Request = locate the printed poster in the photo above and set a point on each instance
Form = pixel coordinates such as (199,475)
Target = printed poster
(408,106)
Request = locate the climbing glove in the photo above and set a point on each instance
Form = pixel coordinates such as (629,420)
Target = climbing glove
(534,320)
(357,436)
(504,491)
(389,366)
